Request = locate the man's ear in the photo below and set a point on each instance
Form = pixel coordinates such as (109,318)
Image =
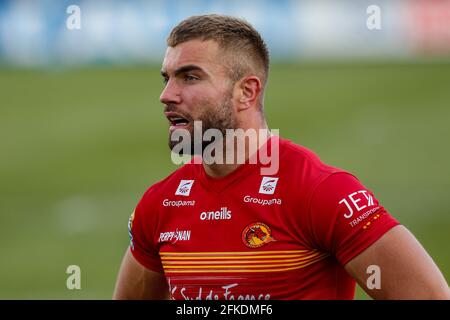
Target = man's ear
(249,90)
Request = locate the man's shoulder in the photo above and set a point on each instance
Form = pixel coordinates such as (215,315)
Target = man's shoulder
(305,160)
(304,169)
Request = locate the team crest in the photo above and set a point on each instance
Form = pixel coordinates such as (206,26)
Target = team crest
(256,235)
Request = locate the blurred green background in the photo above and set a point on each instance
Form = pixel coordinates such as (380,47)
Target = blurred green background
(80,146)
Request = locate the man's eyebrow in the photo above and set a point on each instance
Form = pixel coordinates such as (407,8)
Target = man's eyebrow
(183,69)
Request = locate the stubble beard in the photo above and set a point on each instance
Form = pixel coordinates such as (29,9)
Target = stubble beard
(216,116)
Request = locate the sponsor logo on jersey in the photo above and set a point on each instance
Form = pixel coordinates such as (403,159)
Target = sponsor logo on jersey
(256,235)
(358,200)
(130,230)
(268,185)
(223,214)
(222,292)
(174,236)
(178,203)
(184,188)
(263,202)
(356,206)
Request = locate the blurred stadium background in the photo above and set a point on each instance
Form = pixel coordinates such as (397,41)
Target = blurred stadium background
(83,135)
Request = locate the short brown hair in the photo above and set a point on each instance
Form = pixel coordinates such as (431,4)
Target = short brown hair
(234,35)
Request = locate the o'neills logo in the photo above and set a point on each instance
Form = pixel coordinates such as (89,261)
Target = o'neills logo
(256,235)
(223,214)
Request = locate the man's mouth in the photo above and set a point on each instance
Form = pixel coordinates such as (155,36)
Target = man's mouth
(176,121)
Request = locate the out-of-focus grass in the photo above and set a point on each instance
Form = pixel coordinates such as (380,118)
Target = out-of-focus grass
(79,147)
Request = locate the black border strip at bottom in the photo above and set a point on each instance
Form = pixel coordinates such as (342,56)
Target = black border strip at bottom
(63,309)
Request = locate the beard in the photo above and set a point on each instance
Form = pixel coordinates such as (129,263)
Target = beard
(217,116)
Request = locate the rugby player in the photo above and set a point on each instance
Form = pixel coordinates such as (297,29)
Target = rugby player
(228,231)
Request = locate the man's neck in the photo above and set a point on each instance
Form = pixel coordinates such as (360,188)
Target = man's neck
(216,170)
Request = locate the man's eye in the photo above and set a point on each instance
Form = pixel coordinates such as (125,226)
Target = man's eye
(190,78)
(165,80)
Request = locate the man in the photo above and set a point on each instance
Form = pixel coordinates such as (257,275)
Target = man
(225,230)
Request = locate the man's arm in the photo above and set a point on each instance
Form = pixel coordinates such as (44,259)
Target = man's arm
(406,269)
(137,282)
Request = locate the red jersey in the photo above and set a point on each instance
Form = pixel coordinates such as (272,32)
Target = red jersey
(249,236)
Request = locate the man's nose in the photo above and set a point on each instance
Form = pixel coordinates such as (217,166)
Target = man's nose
(171,93)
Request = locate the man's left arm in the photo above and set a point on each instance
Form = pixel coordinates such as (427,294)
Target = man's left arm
(380,254)
(406,270)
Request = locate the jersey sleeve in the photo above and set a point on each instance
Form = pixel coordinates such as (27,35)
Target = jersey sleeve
(346,218)
(140,231)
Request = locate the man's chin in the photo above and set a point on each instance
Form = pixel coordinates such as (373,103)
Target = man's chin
(182,140)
